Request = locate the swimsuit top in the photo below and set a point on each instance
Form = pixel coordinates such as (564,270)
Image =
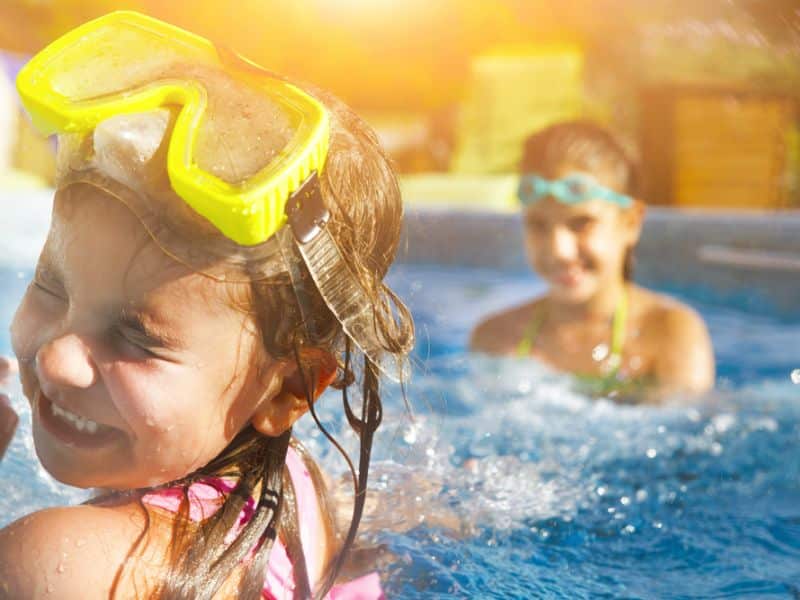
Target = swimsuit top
(594,384)
(204,500)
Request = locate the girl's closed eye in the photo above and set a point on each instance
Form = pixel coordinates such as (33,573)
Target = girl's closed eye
(134,334)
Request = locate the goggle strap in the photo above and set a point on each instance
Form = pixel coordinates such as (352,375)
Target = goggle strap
(291,261)
(340,289)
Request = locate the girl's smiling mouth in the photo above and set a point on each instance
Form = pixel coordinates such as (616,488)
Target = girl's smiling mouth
(70,428)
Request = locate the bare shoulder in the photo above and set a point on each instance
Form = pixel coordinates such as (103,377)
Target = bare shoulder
(500,332)
(69,552)
(684,357)
(664,315)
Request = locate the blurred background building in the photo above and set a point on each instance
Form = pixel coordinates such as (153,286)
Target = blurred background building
(706,94)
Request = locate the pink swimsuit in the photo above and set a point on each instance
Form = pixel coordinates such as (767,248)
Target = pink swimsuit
(204,501)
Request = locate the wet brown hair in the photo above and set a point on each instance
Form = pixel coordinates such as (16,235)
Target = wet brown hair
(361,192)
(590,147)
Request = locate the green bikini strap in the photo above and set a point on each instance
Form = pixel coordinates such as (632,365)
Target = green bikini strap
(618,330)
(531,332)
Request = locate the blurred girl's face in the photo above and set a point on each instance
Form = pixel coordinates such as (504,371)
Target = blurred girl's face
(138,370)
(579,248)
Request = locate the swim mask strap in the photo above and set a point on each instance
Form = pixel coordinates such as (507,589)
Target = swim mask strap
(572,189)
(343,294)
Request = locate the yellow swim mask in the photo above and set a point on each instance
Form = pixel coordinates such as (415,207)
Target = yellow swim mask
(105,68)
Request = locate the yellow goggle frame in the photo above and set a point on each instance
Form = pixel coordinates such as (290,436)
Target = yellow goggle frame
(57,87)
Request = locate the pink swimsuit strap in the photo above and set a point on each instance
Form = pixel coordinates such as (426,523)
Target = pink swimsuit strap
(206,496)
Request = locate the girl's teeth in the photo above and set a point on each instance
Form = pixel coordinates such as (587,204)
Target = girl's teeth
(78,422)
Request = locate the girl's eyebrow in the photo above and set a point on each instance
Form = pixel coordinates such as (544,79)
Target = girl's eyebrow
(147,325)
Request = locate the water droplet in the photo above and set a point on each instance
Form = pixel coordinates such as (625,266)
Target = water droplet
(723,422)
(599,352)
(628,529)
(60,568)
(641,495)
(624,501)
(601,491)
(651,453)
(410,435)
(796,377)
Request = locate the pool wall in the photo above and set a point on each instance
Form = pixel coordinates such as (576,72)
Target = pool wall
(749,259)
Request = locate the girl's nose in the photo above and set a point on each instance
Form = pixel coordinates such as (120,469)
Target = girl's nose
(563,244)
(65,361)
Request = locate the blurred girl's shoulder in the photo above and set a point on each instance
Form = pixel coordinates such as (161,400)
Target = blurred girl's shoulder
(500,332)
(661,314)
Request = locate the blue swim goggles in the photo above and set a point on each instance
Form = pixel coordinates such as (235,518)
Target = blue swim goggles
(572,189)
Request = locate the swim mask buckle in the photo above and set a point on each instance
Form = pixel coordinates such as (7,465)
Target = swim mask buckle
(306,210)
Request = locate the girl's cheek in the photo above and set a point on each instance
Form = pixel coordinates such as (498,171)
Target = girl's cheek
(150,398)
(601,244)
(536,252)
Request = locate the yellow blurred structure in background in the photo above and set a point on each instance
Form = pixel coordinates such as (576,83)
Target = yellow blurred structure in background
(454,86)
(513,93)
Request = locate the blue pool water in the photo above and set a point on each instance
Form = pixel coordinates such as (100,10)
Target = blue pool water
(568,497)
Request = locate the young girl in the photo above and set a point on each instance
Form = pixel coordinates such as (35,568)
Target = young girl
(177,325)
(582,221)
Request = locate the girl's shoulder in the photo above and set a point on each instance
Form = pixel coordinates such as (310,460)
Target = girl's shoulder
(499,332)
(678,340)
(69,552)
(661,314)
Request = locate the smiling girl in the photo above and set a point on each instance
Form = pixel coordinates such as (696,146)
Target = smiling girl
(582,220)
(191,302)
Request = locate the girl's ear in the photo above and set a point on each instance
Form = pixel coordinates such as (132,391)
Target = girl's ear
(633,218)
(277,413)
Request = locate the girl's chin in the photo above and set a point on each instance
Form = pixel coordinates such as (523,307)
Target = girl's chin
(574,292)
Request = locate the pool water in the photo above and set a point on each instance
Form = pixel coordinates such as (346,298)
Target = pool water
(564,496)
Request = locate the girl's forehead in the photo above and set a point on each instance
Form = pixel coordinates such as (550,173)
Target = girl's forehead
(95,240)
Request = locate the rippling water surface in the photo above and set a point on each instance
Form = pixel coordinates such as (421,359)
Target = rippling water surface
(509,484)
